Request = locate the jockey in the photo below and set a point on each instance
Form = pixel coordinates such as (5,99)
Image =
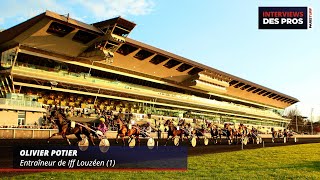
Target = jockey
(109,114)
(285,134)
(132,123)
(225,126)
(159,129)
(245,131)
(188,129)
(254,132)
(214,129)
(279,133)
(147,130)
(102,126)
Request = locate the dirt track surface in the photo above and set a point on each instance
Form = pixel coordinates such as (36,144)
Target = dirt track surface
(6,147)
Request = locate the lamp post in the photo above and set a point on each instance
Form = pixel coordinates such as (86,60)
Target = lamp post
(91,67)
(296,119)
(311,119)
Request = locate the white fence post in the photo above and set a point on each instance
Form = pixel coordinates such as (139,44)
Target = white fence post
(242,145)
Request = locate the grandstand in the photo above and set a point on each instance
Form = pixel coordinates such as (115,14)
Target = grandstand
(54,60)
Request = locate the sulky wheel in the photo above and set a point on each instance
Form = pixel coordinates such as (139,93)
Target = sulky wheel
(193,141)
(150,143)
(245,140)
(104,145)
(132,142)
(257,140)
(83,144)
(176,141)
(205,141)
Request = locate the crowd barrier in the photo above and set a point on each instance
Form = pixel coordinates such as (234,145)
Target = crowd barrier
(20,133)
(23,133)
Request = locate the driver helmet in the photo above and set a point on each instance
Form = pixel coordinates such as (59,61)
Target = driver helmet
(102,120)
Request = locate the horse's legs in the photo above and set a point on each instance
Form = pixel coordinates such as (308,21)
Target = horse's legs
(233,140)
(91,139)
(229,140)
(89,136)
(65,138)
(173,137)
(122,137)
(273,137)
(78,135)
(124,143)
(185,136)
(76,132)
(159,134)
(117,138)
(213,139)
(167,140)
(55,134)
(138,139)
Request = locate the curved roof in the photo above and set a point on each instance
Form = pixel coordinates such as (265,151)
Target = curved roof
(204,67)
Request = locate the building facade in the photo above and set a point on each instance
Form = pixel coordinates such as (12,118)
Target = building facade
(63,62)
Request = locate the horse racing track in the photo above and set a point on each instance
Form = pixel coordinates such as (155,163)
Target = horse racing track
(198,160)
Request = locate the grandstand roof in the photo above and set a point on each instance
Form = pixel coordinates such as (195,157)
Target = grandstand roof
(155,63)
(205,67)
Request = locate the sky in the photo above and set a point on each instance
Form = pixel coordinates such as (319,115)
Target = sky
(220,34)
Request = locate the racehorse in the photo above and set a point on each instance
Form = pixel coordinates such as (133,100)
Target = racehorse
(278,135)
(214,133)
(182,123)
(287,134)
(123,130)
(173,131)
(199,132)
(66,129)
(239,134)
(274,135)
(253,135)
(228,131)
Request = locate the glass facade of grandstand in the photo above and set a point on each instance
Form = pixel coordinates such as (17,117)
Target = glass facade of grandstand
(44,69)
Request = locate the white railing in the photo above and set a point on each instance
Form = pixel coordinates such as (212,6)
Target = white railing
(149,90)
(21,103)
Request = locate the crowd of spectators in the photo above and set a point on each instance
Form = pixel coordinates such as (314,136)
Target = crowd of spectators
(30,127)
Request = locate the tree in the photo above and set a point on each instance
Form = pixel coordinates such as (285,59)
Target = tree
(315,125)
(296,120)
